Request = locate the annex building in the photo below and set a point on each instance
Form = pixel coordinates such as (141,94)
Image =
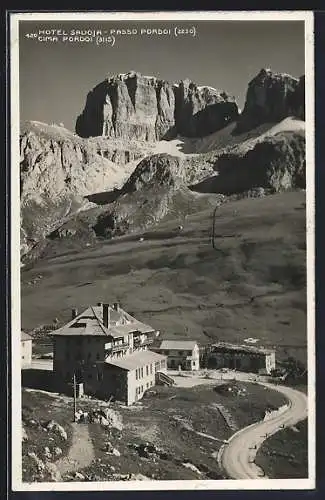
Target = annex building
(180,353)
(108,351)
(242,357)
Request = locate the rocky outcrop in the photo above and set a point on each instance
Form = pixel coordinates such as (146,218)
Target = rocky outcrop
(277,163)
(135,106)
(156,171)
(270,98)
(57,170)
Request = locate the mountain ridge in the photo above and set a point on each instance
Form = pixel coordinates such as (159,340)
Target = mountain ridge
(63,174)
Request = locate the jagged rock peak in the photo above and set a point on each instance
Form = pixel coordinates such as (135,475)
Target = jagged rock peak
(271,97)
(131,105)
(266,74)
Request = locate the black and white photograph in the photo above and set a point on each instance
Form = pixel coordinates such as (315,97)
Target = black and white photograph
(162,250)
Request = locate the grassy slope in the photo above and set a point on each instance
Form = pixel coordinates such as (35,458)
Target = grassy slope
(181,285)
(153,421)
(285,455)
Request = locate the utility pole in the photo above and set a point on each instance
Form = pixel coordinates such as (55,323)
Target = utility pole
(74,397)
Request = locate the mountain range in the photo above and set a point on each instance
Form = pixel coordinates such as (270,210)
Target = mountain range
(145,150)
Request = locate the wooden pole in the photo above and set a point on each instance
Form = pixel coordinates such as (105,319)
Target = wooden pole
(74,397)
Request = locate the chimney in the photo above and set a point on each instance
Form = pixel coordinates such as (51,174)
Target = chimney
(99,304)
(106,315)
(116,306)
(74,313)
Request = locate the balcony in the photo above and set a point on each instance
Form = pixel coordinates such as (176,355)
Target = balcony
(120,347)
(137,342)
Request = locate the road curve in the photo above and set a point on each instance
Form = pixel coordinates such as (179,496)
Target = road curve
(237,457)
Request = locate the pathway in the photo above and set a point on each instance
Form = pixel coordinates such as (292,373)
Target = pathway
(81,452)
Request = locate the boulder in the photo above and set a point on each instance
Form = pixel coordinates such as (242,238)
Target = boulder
(79,476)
(39,463)
(47,452)
(57,451)
(53,426)
(113,418)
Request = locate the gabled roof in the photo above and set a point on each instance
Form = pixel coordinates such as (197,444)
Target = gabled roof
(90,323)
(24,336)
(135,360)
(177,345)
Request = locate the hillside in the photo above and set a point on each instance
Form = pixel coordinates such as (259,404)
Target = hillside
(251,285)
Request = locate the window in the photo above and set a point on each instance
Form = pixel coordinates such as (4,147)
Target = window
(136,374)
(147,370)
(97,356)
(147,385)
(151,369)
(23,357)
(180,353)
(142,373)
(142,388)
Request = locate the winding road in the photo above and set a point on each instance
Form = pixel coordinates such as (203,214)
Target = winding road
(238,455)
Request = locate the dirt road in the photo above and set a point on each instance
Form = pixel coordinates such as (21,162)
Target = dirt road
(237,457)
(81,453)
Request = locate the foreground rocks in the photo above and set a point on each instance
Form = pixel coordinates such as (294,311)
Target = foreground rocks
(57,428)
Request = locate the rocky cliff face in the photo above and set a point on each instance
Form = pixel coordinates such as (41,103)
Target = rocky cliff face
(270,98)
(57,169)
(277,164)
(135,106)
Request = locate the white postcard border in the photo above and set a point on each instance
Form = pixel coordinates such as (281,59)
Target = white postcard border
(257,484)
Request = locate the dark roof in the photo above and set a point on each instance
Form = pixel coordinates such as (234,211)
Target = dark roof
(24,336)
(225,346)
(90,323)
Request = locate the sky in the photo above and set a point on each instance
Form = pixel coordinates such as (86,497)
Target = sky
(55,77)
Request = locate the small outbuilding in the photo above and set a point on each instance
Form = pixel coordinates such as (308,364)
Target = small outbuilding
(26,343)
(180,353)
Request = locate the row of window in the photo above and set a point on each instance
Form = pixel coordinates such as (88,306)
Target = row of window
(139,390)
(148,369)
(139,372)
